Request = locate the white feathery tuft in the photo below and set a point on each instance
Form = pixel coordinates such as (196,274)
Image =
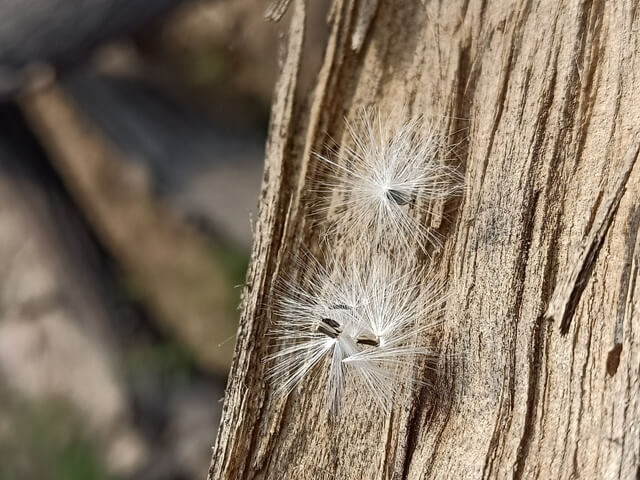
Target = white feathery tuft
(362,324)
(389,181)
(397,314)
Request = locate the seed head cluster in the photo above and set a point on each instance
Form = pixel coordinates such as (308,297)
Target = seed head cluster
(359,324)
(359,320)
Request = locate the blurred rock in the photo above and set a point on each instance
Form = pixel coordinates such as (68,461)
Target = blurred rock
(63,32)
(46,353)
(226,45)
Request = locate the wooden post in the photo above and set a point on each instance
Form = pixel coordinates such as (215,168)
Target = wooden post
(539,376)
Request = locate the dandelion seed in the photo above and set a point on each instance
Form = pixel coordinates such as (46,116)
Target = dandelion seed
(395,317)
(314,322)
(388,182)
(363,324)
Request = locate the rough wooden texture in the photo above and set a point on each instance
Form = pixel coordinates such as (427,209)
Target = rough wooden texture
(539,376)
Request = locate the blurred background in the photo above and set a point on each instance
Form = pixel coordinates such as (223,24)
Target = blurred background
(131,150)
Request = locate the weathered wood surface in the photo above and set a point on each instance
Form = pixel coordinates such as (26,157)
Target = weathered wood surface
(539,376)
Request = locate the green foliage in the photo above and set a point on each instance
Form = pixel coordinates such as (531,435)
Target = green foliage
(205,68)
(45,441)
(170,359)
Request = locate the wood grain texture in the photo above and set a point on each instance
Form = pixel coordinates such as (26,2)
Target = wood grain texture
(541,101)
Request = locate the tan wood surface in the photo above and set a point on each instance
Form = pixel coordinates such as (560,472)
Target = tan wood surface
(540,342)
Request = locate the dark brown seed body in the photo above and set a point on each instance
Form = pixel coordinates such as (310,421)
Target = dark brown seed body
(368,339)
(401,198)
(329,327)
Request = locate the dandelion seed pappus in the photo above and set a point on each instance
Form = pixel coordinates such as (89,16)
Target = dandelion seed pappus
(386,178)
(360,326)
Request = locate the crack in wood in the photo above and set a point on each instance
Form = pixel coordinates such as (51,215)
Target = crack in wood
(533,395)
(568,293)
(276,10)
(364,18)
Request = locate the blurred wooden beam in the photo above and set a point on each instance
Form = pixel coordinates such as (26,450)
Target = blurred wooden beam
(172,268)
